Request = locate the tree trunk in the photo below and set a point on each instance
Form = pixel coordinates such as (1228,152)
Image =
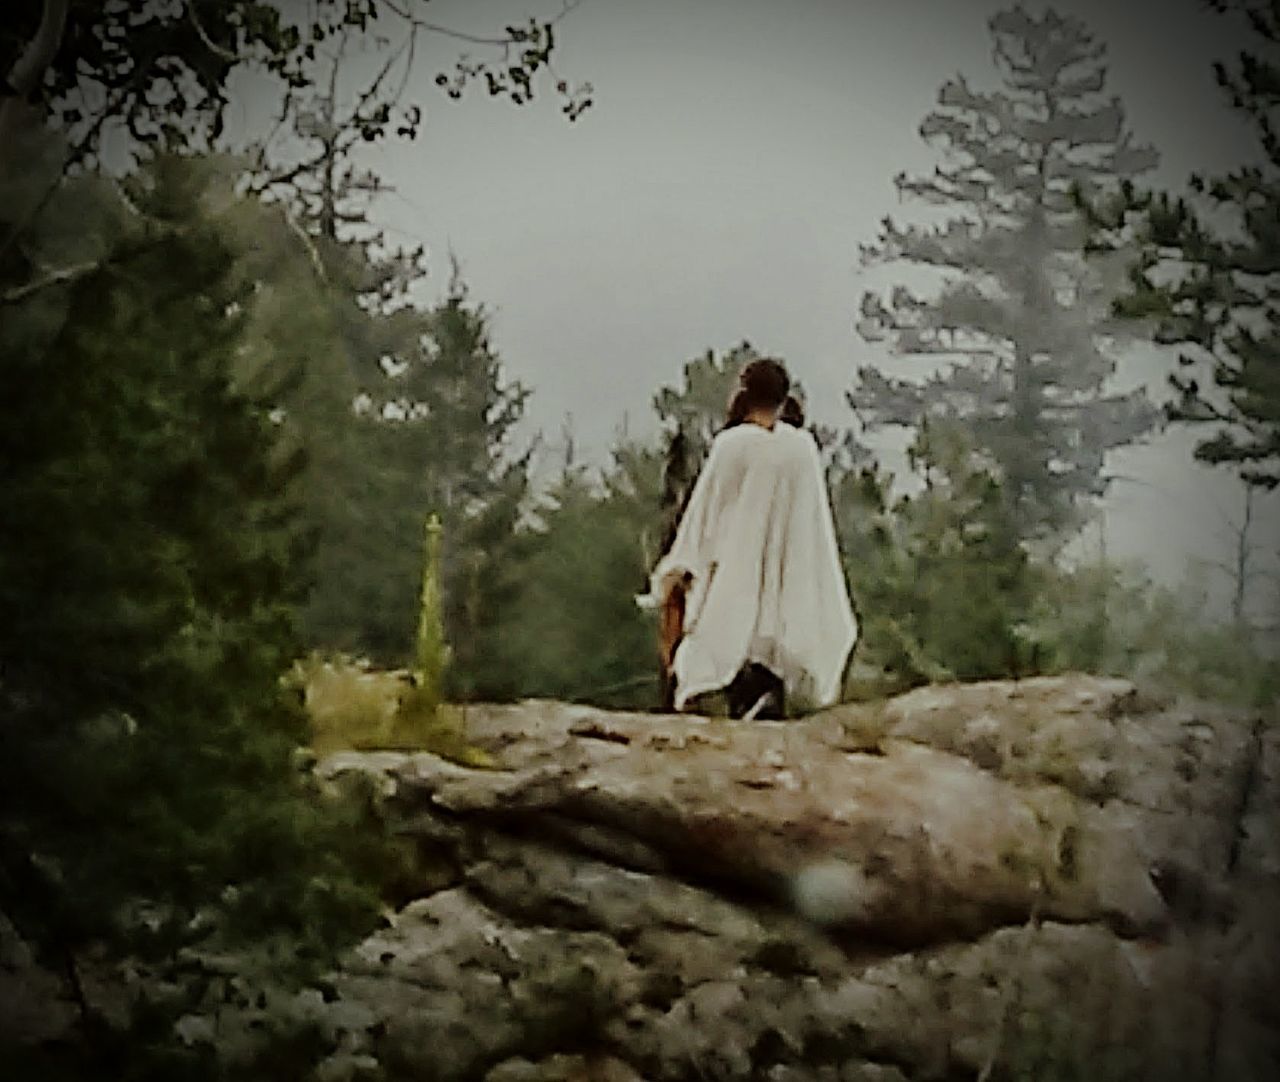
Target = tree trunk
(23,79)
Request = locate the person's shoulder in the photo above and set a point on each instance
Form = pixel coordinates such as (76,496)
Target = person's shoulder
(797,442)
(738,436)
(727,445)
(791,433)
(744,430)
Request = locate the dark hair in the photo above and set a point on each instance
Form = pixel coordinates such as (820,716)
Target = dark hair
(764,383)
(792,412)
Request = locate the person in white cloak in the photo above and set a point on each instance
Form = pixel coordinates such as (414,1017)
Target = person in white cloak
(756,552)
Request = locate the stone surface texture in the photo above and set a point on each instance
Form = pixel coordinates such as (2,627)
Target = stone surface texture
(1055,878)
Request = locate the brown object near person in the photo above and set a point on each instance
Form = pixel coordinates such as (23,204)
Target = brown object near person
(670,632)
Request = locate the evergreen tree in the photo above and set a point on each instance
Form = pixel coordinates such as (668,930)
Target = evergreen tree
(443,428)
(696,409)
(1019,302)
(405,413)
(1111,618)
(1208,277)
(350,306)
(149,570)
(572,629)
(941,579)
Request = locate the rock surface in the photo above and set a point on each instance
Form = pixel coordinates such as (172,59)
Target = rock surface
(1055,878)
(1059,878)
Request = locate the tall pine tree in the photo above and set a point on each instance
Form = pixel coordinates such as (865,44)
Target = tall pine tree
(1208,277)
(1019,304)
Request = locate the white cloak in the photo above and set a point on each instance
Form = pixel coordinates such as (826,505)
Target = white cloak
(758,540)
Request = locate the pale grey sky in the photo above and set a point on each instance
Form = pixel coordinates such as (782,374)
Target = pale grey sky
(737,154)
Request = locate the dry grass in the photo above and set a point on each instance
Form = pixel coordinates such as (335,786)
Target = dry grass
(354,706)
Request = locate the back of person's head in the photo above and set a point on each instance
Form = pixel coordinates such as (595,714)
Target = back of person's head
(763,384)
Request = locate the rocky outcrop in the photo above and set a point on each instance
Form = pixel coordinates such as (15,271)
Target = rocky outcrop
(1051,879)
(1054,878)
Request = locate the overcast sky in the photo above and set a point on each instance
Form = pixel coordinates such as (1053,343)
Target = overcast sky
(737,153)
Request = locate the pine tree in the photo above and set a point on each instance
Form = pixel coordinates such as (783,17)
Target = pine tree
(437,431)
(572,629)
(940,576)
(1209,274)
(463,442)
(1019,303)
(345,304)
(696,409)
(405,413)
(149,572)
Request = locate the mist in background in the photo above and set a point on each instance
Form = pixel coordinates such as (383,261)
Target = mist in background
(736,156)
(357,421)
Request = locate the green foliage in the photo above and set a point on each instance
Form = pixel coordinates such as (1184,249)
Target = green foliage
(401,412)
(348,704)
(572,629)
(946,590)
(406,411)
(432,435)
(164,68)
(941,580)
(149,574)
(422,718)
(1110,618)
(1206,274)
(1020,303)
(471,475)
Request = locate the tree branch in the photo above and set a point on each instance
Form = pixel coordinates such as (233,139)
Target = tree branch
(458,35)
(210,44)
(28,70)
(54,278)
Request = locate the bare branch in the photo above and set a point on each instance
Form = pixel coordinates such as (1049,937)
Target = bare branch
(458,35)
(296,227)
(26,73)
(285,176)
(210,44)
(61,276)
